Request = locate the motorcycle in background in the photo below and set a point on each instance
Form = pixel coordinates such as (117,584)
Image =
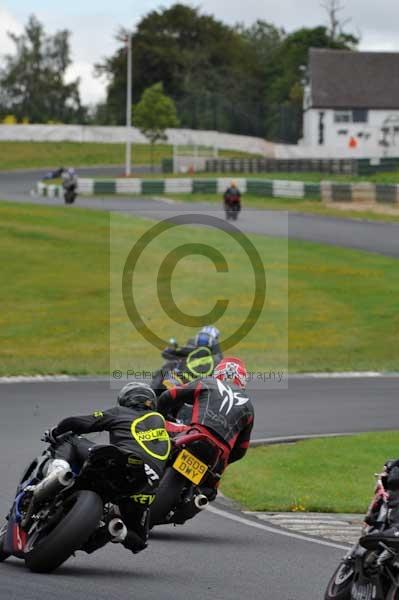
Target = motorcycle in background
(70,186)
(370,570)
(232,202)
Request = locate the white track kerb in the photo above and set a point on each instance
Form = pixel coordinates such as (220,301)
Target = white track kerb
(274,530)
(68,378)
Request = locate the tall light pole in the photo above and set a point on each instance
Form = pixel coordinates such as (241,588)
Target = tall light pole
(128,167)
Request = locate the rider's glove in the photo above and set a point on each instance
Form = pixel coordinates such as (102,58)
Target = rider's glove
(49,436)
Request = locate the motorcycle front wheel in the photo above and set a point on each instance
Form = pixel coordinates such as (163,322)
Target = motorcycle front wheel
(45,551)
(340,584)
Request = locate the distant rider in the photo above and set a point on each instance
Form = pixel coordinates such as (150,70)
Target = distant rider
(134,415)
(186,363)
(232,197)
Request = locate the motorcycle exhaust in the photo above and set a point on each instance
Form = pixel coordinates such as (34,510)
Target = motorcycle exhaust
(117,530)
(201,501)
(53,483)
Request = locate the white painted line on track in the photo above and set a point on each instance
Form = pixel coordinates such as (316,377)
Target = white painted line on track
(165,200)
(66,378)
(297,536)
(342,375)
(38,379)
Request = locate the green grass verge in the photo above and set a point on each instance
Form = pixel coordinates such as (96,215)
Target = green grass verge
(323,475)
(54,313)
(28,155)
(385,178)
(311,207)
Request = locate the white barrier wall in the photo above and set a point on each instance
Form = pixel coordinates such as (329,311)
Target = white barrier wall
(224,141)
(83,133)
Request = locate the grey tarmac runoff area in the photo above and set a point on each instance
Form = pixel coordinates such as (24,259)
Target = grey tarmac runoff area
(223,554)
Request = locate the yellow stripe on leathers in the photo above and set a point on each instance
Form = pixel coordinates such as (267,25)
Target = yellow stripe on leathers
(158,434)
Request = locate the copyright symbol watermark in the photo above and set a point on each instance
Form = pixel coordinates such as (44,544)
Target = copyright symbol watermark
(165,273)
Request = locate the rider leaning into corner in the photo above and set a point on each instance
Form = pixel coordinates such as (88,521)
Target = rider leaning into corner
(197,358)
(130,425)
(220,405)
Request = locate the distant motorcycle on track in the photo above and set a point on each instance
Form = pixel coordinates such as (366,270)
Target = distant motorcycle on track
(232,202)
(70,186)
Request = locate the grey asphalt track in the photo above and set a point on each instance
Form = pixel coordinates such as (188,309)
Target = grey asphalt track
(210,557)
(382,238)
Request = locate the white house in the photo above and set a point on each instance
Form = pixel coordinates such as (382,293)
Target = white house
(351,104)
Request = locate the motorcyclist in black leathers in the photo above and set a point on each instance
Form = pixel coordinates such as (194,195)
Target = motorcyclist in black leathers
(390,481)
(219,403)
(186,363)
(134,427)
(232,199)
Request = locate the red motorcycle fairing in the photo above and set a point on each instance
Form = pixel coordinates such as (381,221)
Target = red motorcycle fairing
(184,435)
(16,538)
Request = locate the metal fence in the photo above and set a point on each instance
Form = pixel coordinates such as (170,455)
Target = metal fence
(334,167)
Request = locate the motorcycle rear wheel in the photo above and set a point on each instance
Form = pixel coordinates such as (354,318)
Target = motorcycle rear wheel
(84,511)
(168,495)
(340,584)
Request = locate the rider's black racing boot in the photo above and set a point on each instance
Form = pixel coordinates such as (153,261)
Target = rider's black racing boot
(97,540)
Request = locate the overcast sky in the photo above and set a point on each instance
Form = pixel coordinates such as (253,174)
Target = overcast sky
(94,23)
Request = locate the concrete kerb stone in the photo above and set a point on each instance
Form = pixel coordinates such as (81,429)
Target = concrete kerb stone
(366,193)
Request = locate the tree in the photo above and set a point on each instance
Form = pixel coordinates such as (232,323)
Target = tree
(333,7)
(154,114)
(194,56)
(32,83)
(240,79)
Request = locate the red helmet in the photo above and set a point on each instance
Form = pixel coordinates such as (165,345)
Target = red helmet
(232,369)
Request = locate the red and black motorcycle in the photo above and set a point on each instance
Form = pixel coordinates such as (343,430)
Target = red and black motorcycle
(232,203)
(195,466)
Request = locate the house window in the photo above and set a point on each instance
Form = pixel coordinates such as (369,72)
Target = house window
(360,115)
(343,116)
(357,115)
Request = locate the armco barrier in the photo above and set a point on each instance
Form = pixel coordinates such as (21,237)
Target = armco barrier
(349,166)
(327,191)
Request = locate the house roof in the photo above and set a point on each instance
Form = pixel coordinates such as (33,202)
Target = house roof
(349,79)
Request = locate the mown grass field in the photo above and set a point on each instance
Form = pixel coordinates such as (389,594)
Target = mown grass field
(51,155)
(323,475)
(55,315)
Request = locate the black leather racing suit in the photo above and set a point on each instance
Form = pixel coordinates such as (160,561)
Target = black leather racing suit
(224,409)
(128,430)
(188,363)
